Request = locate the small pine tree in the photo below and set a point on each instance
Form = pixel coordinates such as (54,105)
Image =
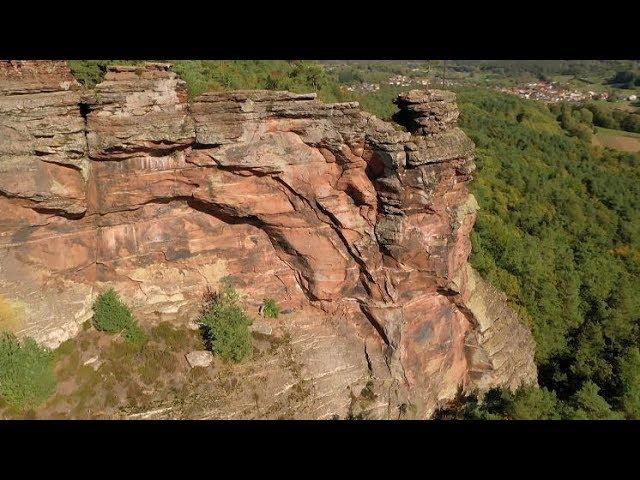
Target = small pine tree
(226,326)
(590,405)
(111,315)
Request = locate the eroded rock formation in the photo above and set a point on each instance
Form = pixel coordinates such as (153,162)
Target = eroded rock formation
(359,227)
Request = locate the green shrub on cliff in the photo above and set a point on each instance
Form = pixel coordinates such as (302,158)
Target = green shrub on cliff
(91,72)
(26,372)
(111,315)
(225,326)
(270,308)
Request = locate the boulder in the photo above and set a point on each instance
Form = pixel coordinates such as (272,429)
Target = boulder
(199,358)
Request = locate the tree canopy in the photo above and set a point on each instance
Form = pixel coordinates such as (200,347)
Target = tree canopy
(558,231)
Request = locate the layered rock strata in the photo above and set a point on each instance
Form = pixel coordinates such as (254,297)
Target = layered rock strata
(359,224)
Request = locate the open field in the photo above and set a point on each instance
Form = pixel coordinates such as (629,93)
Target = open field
(617,139)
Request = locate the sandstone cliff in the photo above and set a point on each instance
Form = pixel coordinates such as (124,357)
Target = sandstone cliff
(360,228)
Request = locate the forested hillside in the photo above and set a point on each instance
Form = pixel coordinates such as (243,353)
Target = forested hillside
(547,67)
(558,231)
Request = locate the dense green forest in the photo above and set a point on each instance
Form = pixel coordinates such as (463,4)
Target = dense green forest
(558,231)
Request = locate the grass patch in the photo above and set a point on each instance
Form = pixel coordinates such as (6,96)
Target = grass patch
(617,139)
(9,318)
(617,133)
(130,376)
(170,336)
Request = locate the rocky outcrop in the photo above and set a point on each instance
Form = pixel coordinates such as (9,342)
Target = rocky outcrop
(355,223)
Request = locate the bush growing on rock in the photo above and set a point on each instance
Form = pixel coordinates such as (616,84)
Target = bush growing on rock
(111,315)
(270,308)
(26,372)
(225,326)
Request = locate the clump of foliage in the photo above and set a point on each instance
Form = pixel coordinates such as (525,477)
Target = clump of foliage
(88,72)
(578,118)
(530,403)
(270,308)
(26,372)
(577,122)
(559,232)
(111,315)
(526,403)
(225,326)
(91,72)
(626,79)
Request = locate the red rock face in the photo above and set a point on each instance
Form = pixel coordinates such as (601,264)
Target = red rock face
(321,206)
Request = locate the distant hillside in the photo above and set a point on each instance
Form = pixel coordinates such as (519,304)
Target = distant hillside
(548,67)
